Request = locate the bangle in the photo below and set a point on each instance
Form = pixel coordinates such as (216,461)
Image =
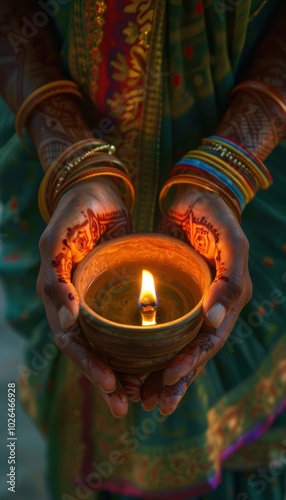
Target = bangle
(82,167)
(253,164)
(71,168)
(210,160)
(38,96)
(65,162)
(263,88)
(103,171)
(239,163)
(224,167)
(217,177)
(202,183)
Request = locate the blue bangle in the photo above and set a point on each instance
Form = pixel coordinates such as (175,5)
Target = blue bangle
(205,167)
(217,154)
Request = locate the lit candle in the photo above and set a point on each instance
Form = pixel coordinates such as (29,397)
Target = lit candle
(148,299)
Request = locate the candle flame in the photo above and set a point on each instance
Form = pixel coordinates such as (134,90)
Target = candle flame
(148,299)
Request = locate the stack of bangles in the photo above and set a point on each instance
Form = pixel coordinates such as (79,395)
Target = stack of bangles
(222,166)
(82,161)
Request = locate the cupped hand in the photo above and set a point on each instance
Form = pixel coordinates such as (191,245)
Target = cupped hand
(211,227)
(86,214)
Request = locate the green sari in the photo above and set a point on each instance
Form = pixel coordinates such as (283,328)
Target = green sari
(156,80)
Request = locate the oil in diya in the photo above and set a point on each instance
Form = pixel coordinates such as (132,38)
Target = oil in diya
(131,334)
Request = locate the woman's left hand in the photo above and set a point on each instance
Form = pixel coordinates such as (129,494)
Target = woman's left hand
(212,229)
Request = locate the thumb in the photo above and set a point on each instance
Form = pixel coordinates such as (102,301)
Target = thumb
(54,285)
(229,289)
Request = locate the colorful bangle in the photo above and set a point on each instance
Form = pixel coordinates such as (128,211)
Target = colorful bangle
(264,89)
(38,96)
(246,153)
(236,178)
(224,167)
(217,176)
(237,163)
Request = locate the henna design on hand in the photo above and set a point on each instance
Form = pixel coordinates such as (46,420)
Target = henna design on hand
(255,121)
(26,64)
(171,395)
(131,385)
(171,225)
(57,123)
(81,238)
(202,343)
(63,265)
(200,233)
(179,389)
(220,267)
(252,118)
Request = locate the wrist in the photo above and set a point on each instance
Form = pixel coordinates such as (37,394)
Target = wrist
(100,194)
(56,124)
(255,121)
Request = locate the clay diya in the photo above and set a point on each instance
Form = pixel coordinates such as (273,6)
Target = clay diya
(137,329)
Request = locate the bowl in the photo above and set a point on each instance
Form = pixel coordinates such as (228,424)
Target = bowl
(108,282)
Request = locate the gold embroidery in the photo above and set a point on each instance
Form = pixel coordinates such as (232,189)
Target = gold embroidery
(135,110)
(94,15)
(139,148)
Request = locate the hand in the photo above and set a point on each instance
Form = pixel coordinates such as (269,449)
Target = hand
(210,226)
(89,212)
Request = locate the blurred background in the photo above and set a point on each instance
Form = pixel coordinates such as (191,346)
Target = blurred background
(30,458)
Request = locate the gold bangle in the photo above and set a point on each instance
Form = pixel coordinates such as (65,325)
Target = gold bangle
(39,95)
(59,163)
(238,162)
(130,192)
(85,165)
(202,183)
(68,168)
(103,171)
(243,162)
(224,168)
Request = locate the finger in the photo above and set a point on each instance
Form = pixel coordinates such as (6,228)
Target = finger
(95,369)
(151,390)
(131,385)
(214,232)
(225,295)
(117,402)
(205,345)
(75,346)
(171,395)
(232,281)
(54,282)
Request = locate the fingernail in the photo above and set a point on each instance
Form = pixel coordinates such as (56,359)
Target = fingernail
(66,317)
(107,391)
(150,406)
(216,315)
(171,381)
(163,413)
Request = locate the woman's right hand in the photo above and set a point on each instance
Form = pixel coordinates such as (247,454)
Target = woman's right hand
(86,214)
